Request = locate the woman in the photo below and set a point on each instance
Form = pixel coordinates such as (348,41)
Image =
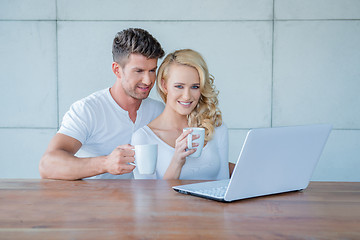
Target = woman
(187,89)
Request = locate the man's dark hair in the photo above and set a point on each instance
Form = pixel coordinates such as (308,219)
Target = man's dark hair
(135,40)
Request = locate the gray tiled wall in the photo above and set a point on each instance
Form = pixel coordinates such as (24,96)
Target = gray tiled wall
(276,63)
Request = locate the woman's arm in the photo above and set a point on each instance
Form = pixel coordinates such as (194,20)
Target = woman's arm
(179,158)
(231,168)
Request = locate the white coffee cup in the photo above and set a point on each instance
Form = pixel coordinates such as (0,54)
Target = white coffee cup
(146,158)
(200,140)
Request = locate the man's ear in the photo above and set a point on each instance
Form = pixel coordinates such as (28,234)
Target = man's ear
(117,70)
(163,85)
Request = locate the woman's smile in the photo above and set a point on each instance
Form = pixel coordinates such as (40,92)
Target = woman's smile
(185,104)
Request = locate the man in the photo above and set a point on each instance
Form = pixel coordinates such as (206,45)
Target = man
(101,125)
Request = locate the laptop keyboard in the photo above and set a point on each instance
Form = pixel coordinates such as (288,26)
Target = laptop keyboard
(211,189)
(215,189)
(215,192)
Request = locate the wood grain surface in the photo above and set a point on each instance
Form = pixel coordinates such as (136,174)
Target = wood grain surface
(150,209)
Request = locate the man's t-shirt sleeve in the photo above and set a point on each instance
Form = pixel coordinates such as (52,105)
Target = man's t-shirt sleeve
(75,122)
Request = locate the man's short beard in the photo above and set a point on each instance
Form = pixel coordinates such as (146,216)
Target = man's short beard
(133,94)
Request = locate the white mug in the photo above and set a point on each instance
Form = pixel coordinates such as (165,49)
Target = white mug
(200,140)
(146,158)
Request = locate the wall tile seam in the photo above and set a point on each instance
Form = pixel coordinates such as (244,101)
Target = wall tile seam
(315,19)
(333,129)
(57,68)
(230,129)
(176,21)
(29,128)
(272,65)
(167,21)
(27,20)
(94,20)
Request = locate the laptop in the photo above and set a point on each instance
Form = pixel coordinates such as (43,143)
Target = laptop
(271,161)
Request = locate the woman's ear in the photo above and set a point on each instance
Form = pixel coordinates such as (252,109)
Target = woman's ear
(163,85)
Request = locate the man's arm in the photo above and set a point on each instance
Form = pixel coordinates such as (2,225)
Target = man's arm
(59,162)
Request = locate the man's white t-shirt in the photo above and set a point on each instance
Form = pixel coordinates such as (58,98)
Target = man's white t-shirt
(101,125)
(213,164)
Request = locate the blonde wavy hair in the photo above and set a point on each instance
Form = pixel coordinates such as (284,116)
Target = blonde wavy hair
(206,114)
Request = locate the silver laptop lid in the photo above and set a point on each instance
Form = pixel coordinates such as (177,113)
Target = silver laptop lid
(275,160)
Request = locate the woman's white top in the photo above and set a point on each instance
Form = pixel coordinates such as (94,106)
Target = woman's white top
(213,163)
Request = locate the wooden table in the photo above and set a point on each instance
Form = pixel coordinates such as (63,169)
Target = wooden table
(148,209)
